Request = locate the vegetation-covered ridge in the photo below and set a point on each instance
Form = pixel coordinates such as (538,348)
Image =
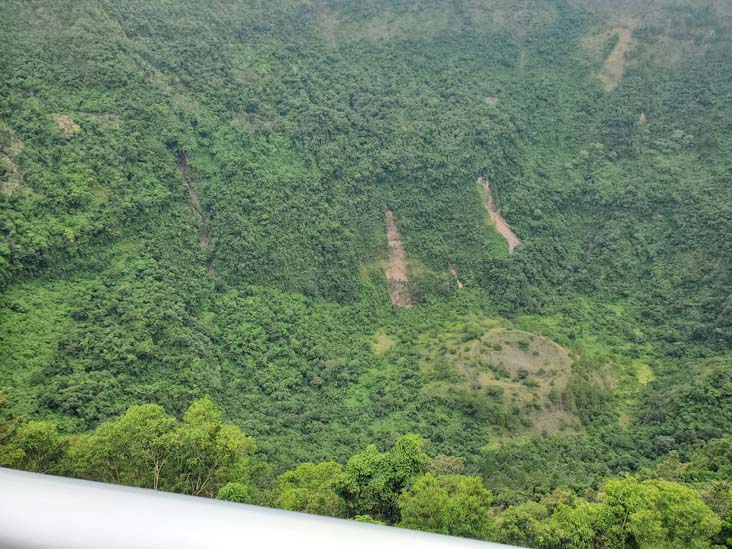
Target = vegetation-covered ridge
(402,486)
(230,201)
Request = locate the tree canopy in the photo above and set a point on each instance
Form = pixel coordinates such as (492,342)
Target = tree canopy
(201,206)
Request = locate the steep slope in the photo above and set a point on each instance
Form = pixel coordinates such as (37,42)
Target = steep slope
(257,279)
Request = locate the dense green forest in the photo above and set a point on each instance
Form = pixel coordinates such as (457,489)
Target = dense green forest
(198,292)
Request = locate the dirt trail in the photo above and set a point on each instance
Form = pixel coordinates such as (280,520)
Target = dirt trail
(501,224)
(453,272)
(396,268)
(196,206)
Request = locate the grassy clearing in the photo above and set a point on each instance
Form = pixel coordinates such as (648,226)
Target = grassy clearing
(629,391)
(513,378)
(382,343)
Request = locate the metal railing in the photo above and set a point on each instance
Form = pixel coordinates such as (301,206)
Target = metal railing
(46,511)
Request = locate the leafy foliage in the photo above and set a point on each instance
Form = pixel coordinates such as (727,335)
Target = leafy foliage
(453,504)
(373,480)
(140,341)
(311,488)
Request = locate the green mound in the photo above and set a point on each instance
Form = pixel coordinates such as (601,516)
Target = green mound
(513,379)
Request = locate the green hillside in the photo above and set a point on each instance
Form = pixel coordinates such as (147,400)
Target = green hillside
(194,206)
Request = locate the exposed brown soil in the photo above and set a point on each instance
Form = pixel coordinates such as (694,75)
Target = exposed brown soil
(196,206)
(613,68)
(501,224)
(642,118)
(15,148)
(491,100)
(12,177)
(671,39)
(453,272)
(11,183)
(396,268)
(66,124)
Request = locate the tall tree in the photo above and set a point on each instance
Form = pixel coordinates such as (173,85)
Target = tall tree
(453,504)
(311,488)
(373,480)
(39,447)
(209,453)
(654,513)
(135,449)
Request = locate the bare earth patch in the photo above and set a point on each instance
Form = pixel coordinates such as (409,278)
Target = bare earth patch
(66,124)
(196,206)
(12,179)
(642,118)
(453,272)
(502,369)
(10,183)
(396,268)
(614,67)
(500,223)
(15,149)
(491,100)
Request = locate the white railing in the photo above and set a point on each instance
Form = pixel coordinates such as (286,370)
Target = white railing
(46,511)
